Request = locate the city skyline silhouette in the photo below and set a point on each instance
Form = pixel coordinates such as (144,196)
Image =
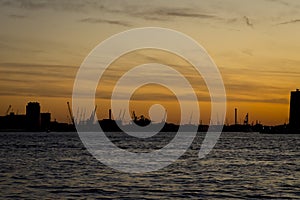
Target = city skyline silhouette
(255,48)
(35,120)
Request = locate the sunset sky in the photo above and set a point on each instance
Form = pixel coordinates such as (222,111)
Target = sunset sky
(255,44)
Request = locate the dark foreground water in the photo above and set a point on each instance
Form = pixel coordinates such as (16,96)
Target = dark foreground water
(242,165)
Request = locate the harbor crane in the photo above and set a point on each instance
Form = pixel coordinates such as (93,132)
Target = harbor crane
(165,117)
(71,114)
(8,109)
(191,117)
(134,116)
(246,120)
(92,117)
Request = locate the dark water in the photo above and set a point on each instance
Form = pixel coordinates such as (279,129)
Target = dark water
(242,165)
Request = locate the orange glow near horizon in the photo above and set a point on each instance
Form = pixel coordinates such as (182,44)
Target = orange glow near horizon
(43,45)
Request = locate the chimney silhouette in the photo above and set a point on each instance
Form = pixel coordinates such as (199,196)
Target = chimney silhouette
(235,116)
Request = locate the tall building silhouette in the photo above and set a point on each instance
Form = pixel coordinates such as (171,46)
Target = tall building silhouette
(33,116)
(295,109)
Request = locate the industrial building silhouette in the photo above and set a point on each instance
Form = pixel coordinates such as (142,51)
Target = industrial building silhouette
(33,120)
(295,109)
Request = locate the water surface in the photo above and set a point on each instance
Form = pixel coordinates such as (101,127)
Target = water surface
(242,165)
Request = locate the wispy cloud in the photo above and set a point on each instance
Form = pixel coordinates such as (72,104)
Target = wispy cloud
(167,13)
(259,100)
(248,21)
(23,79)
(289,22)
(47,4)
(155,11)
(16,16)
(104,21)
(280,2)
(32,65)
(183,12)
(36,73)
(248,52)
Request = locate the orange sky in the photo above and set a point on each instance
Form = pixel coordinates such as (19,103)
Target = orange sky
(255,44)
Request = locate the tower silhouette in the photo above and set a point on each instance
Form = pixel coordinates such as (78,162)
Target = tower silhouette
(295,109)
(33,116)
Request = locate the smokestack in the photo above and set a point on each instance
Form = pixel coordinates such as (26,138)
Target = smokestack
(235,116)
(109,114)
